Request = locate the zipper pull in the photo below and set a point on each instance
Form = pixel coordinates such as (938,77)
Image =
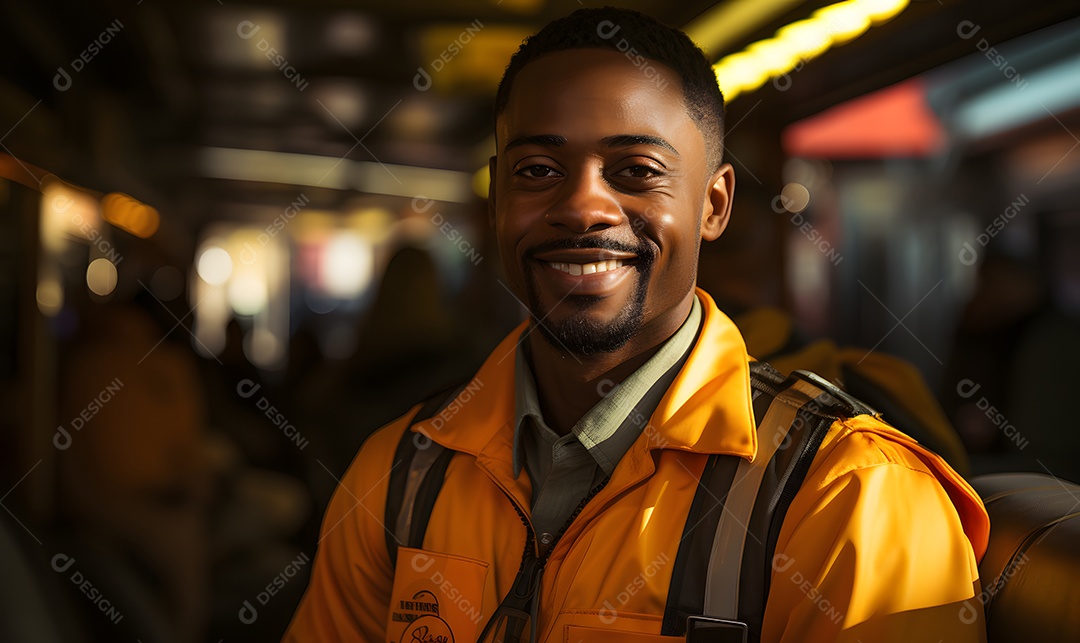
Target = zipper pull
(525,584)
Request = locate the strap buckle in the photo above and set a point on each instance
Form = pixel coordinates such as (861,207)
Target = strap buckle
(707,629)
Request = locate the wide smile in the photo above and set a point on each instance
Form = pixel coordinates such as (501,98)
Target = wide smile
(576,269)
(588,272)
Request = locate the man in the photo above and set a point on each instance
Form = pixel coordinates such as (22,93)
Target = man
(583,437)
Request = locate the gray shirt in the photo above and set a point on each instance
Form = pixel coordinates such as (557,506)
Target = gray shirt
(564,469)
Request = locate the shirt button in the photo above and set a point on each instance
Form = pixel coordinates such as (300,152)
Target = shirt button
(546,538)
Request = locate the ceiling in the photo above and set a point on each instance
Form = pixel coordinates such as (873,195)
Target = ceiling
(151,85)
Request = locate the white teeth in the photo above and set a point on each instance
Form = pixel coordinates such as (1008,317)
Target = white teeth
(587,268)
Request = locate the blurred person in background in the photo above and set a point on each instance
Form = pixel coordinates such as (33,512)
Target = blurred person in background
(410,342)
(136,481)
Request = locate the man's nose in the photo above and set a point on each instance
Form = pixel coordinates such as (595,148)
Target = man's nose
(586,203)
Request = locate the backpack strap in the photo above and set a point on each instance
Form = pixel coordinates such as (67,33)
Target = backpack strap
(416,477)
(731,552)
(689,579)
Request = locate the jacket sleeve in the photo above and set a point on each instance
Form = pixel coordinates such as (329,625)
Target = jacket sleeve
(348,596)
(874,549)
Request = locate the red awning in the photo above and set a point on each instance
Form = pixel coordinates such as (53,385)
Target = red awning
(889,123)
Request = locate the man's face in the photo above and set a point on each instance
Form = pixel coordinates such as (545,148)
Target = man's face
(599,188)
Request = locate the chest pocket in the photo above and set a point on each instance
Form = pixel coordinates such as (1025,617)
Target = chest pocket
(437,598)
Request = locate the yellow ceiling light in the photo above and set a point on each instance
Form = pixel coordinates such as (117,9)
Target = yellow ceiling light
(801,41)
(843,22)
(807,39)
(880,11)
(740,72)
(727,22)
(774,56)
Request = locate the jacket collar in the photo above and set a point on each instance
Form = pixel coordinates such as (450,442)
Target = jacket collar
(708,408)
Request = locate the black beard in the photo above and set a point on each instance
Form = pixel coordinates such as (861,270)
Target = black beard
(580,335)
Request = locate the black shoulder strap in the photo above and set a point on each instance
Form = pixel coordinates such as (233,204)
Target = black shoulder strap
(686,593)
(822,404)
(793,415)
(416,476)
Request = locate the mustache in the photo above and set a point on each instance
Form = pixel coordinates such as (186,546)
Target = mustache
(645,251)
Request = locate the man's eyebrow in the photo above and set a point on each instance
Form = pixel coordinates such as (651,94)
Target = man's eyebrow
(626,140)
(544,140)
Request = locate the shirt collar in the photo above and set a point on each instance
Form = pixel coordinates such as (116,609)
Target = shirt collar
(609,428)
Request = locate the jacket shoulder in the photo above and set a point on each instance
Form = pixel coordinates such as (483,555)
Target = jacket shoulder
(854,446)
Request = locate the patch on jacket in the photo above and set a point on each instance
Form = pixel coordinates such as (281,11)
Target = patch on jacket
(437,598)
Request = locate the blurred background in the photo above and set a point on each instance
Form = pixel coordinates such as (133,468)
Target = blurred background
(237,237)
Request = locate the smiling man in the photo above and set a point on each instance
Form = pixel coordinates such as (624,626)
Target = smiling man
(620,468)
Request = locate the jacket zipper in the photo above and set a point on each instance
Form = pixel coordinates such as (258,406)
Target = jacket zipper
(526,584)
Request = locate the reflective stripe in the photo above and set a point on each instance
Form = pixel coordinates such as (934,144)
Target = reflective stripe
(725,562)
(722,598)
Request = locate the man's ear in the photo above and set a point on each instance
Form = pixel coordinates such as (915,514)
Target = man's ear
(491,191)
(716,210)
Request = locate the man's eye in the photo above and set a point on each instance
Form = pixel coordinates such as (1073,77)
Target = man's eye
(638,172)
(538,171)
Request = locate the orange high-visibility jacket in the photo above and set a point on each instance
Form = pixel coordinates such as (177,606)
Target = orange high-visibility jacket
(880,544)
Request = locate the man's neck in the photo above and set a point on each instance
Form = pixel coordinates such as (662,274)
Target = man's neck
(568,385)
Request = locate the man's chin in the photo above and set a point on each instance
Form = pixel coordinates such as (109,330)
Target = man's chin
(583,334)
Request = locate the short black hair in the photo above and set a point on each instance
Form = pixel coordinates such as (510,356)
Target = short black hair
(622,30)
